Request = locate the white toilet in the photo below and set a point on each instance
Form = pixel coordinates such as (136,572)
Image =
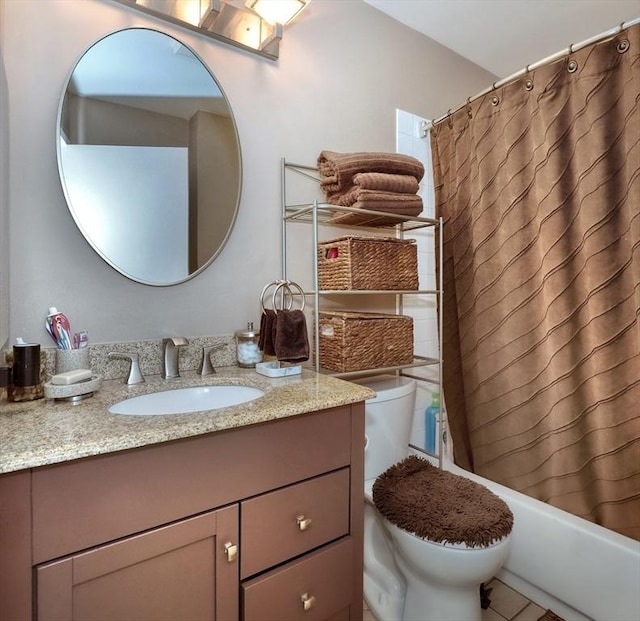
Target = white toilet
(406,577)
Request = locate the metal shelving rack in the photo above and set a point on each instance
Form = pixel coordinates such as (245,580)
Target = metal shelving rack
(318,214)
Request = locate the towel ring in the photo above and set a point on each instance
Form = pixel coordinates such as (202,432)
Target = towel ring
(264,290)
(279,284)
(286,289)
(287,284)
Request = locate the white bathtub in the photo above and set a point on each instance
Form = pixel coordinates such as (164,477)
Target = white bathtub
(576,568)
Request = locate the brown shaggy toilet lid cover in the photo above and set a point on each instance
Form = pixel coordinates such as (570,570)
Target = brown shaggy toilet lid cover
(440,506)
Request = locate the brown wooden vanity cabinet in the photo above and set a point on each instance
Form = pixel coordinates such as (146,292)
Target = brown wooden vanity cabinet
(258,523)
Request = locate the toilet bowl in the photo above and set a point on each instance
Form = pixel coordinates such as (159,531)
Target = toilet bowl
(407,577)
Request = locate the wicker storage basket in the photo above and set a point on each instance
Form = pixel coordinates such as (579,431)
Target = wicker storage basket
(368,263)
(356,341)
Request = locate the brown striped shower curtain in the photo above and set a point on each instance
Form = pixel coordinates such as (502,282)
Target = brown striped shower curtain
(538,183)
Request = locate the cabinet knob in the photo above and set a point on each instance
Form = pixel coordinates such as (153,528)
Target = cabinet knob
(303,522)
(308,601)
(231,551)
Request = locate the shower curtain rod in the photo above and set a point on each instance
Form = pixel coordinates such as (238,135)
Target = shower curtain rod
(574,47)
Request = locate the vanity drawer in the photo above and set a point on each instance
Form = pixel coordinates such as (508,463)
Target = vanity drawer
(285,523)
(322,579)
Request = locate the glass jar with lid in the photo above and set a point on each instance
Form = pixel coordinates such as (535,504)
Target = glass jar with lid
(247,351)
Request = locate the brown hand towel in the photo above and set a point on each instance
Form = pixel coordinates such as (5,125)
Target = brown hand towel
(265,340)
(338,169)
(290,339)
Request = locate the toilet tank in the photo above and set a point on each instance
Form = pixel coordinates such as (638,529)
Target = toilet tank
(388,419)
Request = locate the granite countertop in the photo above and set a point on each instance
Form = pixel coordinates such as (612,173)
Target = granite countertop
(43,432)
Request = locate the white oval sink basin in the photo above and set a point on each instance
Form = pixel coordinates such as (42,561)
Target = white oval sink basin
(185,400)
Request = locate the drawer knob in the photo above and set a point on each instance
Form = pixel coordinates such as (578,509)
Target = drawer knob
(308,601)
(303,522)
(231,551)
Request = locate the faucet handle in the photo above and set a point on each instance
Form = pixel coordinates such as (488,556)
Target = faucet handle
(206,368)
(135,375)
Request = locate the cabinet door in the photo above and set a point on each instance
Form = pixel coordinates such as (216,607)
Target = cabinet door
(181,571)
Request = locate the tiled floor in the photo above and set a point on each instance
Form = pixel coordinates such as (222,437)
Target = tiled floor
(506,605)
(510,605)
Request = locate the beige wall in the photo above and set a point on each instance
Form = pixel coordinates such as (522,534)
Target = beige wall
(213,161)
(4,197)
(344,68)
(93,121)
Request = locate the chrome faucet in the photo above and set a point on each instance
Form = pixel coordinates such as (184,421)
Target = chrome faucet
(170,356)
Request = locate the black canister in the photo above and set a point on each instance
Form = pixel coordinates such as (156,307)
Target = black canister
(26,364)
(4,383)
(25,373)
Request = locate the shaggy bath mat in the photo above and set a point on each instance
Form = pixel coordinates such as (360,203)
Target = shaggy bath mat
(439,505)
(550,616)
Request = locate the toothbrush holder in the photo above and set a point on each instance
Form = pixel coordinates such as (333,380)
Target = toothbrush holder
(72,359)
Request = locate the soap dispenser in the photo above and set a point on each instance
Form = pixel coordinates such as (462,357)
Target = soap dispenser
(432,424)
(248,352)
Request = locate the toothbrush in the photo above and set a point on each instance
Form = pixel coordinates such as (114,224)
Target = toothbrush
(49,328)
(59,328)
(80,340)
(62,330)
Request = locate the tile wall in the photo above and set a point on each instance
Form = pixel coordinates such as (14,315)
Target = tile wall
(410,140)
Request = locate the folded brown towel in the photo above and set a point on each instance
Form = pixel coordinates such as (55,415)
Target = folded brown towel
(401,184)
(265,339)
(338,169)
(290,336)
(404,184)
(408,205)
(360,195)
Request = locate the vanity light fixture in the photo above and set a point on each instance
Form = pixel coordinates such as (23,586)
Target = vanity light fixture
(253,25)
(277,11)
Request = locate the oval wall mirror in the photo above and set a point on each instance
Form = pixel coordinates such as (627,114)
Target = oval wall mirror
(149,156)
